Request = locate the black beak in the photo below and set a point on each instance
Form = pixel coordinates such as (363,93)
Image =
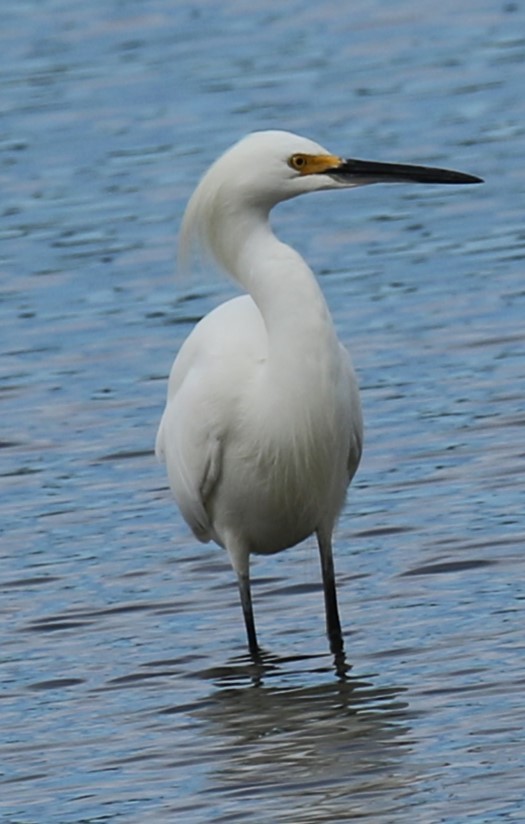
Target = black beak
(370,171)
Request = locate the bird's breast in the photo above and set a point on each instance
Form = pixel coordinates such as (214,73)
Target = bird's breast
(284,471)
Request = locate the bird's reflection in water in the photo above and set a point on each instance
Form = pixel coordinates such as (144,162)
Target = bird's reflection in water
(258,668)
(282,728)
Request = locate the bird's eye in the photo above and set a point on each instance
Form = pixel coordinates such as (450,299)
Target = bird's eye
(297,161)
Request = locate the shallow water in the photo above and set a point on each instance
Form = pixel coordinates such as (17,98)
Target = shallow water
(126,691)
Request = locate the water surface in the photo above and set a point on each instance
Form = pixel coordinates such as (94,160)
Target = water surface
(126,691)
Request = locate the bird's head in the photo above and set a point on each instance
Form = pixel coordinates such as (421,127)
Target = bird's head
(271,166)
(265,168)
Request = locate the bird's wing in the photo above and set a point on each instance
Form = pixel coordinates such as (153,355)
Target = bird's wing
(207,379)
(355,415)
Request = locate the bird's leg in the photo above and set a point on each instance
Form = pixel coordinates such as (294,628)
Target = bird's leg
(333,624)
(240,561)
(247,610)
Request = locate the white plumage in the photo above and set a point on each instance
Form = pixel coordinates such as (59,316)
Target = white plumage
(262,429)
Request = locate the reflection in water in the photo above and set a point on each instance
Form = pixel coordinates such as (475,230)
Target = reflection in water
(336,748)
(262,665)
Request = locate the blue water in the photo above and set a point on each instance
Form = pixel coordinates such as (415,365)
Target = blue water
(126,692)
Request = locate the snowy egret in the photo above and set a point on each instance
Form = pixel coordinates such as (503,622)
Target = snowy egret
(262,430)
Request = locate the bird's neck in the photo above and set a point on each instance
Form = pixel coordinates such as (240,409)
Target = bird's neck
(285,291)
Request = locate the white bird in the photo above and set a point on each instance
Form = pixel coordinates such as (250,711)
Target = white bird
(262,430)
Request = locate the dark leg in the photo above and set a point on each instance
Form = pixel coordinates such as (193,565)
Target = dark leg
(247,611)
(333,624)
